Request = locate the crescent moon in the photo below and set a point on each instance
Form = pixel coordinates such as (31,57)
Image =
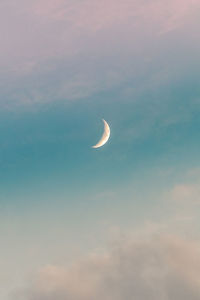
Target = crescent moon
(105,136)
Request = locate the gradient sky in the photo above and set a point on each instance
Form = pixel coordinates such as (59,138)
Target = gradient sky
(68,211)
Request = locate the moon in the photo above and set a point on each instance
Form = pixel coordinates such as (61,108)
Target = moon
(105,136)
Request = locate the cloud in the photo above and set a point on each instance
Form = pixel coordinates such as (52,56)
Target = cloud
(59,49)
(186,192)
(95,15)
(157,268)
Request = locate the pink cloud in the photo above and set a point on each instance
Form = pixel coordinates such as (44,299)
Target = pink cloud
(166,267)
(95,15)
(96,40)
(186,192)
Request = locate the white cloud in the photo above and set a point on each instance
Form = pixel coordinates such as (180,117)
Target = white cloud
(157,268)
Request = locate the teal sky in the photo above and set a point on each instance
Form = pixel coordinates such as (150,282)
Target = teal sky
(136,65)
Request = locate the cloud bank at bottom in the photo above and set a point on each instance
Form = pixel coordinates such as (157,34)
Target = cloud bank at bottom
(163,267)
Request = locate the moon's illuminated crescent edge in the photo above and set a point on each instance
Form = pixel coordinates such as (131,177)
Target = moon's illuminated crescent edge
(105,136)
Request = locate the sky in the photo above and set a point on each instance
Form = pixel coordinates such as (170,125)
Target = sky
(121,221)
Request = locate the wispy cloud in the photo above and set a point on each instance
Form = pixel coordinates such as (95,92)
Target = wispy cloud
(95,15)
(60,41)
